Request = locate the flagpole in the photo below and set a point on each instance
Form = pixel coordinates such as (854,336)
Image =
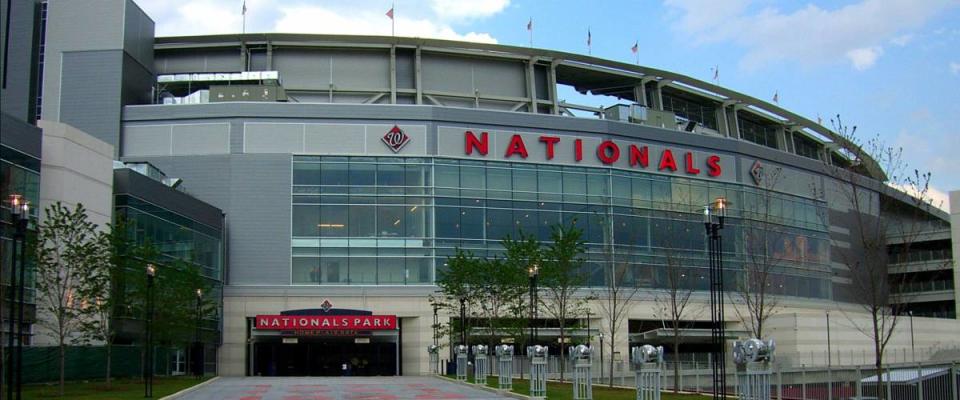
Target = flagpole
(530,29)
(393,20)
(243,27)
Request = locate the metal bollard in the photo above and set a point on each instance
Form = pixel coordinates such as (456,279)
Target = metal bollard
(505,359)
(648,362)
(538,371)
(581,356)
(480,364)
(434,352)
(461,352)
(753,358)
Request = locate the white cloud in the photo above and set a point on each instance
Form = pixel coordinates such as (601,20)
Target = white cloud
(809,35)
(865,57)
(935,197)
(902,40)
(955,67)
(459,9)
(434,19)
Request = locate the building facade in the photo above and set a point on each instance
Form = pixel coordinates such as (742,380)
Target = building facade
(348,168)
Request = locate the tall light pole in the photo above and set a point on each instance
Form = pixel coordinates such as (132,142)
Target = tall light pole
(19,217)
(197,344)
(829,354)
(436,324)
(913,348)
(601,357)
(713,219)
(148,351)
(533,272)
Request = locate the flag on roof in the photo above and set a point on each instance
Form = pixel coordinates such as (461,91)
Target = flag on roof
(243,9)
(716,72)
(390,13)
(530,24)
(588,38)
(636,47)
(776,97)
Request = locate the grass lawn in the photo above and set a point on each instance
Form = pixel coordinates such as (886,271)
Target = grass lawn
(121,389)
(564,391)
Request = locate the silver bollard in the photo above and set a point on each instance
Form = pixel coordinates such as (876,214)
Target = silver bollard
(754,358)
(648,362)
(434,352)
(581,356)
(480,364)
(538,371)
(505,359)
(461,352)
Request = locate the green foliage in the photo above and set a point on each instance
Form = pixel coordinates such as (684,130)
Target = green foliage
(70,262)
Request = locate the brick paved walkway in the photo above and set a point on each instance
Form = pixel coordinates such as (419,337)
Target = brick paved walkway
(336,388)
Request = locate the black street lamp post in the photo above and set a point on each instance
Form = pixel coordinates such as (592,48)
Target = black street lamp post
(601,357)
(436,325)
(148,350)
(533,272)
(463,321)
(713,216)
(19,217)
(197,344)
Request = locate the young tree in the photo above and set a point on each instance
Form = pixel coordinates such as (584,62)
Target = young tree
(875,219)
(69,259)
(522,254)
(563,278)
(456,290)
(755,303)
(674,300)
(499,291)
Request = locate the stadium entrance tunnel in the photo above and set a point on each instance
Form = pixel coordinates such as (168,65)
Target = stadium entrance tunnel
(325,356)
(323,342)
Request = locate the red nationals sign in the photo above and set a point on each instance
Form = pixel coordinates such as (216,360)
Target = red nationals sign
(326,322)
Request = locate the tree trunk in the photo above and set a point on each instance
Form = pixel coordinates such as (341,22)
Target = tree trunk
(612,346)
(878,359)
(563,364)
(109,356)
(63,363)
(676,360)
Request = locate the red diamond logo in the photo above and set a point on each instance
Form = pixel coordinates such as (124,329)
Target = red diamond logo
(326,306)
(756,171)
(395,139)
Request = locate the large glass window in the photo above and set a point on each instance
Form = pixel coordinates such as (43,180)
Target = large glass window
(389,221)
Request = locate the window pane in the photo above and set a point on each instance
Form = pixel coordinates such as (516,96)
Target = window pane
(390,220)
(306,270)
(447,176)
(390,175)
(362,174)
(333,220)
(391,271)
(306,220)
(363,270)
(499,179)
(363,221)
(333,270)
(333,174)
(306,173)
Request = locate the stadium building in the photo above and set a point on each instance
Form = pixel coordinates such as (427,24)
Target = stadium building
(346,169)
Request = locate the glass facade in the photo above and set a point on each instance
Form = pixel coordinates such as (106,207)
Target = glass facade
(393,221)
(178,238)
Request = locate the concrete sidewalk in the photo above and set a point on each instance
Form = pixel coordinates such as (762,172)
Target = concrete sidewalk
(336,388)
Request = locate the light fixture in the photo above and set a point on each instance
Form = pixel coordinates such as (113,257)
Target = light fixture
(151,270)
(331,225)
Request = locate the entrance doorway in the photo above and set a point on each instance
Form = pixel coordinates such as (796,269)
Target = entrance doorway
(325,356)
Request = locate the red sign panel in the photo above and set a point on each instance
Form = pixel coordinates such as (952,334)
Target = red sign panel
(326,322)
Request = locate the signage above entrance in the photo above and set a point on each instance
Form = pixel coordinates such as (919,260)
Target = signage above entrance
(326,322)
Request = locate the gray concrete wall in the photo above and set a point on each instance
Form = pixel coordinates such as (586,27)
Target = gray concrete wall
(98,57)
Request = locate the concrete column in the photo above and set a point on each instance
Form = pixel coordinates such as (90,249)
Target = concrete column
(555,104)
(419,81)
(531,85)
(393,74)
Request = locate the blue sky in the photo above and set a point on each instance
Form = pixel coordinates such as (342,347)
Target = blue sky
(891,67)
